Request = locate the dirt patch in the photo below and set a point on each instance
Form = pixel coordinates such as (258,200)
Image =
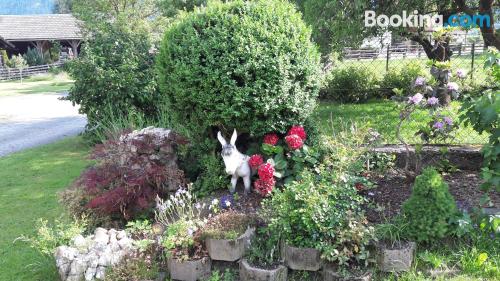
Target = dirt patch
(393,189)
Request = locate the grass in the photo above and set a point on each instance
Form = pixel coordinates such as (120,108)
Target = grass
(383,116)
(30,181)
(39,84)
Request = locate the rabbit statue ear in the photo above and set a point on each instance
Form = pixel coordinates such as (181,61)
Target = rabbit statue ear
(233,138)
(221,139)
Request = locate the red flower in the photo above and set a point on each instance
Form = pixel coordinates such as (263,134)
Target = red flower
(266,171)
(271,139)
(294,142)
(299,131)
(264,187)
(255,161)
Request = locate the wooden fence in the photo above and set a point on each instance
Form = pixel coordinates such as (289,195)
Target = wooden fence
(17,73)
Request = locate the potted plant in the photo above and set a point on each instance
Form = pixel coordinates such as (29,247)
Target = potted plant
(394,254)
(261,261)
(228,234)
(319,219)
(182,242)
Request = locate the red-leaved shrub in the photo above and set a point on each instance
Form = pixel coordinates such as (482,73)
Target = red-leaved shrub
(130,172)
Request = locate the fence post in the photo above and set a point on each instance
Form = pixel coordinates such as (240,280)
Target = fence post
(473,51)
(460,50)
(387,58)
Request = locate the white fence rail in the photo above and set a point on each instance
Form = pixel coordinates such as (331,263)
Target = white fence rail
(17,73)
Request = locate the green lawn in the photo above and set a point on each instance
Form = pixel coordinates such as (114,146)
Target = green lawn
(28,186)
(45,83)
(383,116)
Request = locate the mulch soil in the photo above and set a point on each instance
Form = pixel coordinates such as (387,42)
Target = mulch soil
(392,189)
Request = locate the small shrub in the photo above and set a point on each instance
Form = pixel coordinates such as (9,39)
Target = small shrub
(129,173)
(265,248)
(228,225)
(402,78)
(350,84)
(33,57)
(430,208)
(133,269)
(5,58)
(264,77)
(316,212)
(49,237)
(211,177)
(17,62)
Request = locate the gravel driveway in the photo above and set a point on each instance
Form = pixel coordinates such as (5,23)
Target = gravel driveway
(35,119)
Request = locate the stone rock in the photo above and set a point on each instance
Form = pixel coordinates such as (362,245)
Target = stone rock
(100,272)
(250,273)
(77,269)
(121,234)
(189,270)
(64,255)
(125,243)
(79,241)
(301,258)
(229,250)
(101,236)
(90,273)
(395,259)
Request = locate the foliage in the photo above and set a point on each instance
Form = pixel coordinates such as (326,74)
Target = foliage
(212,176)
(228,225)
(403,77)
(133,268)
(227,275)
(52,55)
(430,208)
(265,248)
(33,57)
(114,72)
(5,58)
(349,84)
(483,114)
(17,61)
(263,77)
(49,237)
(317,212)
(128,175)
(171,8)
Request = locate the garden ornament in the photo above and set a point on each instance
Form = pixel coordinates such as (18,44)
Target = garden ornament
(236,162)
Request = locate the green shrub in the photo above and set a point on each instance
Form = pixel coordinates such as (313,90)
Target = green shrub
(114,71)
(430,208)
(5,57)
(248,65)
(211,176)
(402,78)
(33,57)
(350,84)
(319,213)
(17,62)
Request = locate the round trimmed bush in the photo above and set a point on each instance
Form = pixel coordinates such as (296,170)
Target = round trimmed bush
(248,65)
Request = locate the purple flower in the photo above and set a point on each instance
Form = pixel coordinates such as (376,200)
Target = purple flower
(438,125)
(190,231)
(432,101)
(448,120)
(226,201)
(461,73)
(420,81)
(452,86)
(416,99)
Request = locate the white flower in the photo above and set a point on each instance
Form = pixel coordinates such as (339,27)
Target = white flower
(228,203)
(197,206)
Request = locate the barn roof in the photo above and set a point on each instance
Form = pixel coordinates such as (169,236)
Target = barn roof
(39,27)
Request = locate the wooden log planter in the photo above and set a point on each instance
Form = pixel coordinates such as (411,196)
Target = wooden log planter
(397,257)
(229,250)
(190,270)
(252,273)
(301,258)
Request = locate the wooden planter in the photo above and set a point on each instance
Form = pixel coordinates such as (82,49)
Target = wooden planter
(301,258)
(395,259)
(189,270)
(250,273)
(229,250)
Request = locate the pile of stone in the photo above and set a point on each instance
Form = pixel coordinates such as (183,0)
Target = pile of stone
(88,257)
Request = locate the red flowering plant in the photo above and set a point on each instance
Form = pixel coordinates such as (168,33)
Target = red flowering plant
(286,158)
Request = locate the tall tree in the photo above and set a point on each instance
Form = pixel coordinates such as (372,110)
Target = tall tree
(63,6)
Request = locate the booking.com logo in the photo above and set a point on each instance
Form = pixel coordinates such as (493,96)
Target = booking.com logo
(415,19)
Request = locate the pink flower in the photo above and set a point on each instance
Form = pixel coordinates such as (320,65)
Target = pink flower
(416,99)
(420,81)
(266,171)
(452,86)
(299,131)
(264,187)
(438,125)
(271,139)
(448,121)
(294,142)
(432,101)
(255,161)
(461,73)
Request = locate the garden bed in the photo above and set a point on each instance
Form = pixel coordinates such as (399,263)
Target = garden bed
(393,189)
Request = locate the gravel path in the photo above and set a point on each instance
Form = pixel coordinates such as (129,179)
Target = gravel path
(35,119)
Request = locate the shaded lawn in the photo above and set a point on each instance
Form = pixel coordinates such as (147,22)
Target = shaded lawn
(383,116)
(29,182)
(47,83)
